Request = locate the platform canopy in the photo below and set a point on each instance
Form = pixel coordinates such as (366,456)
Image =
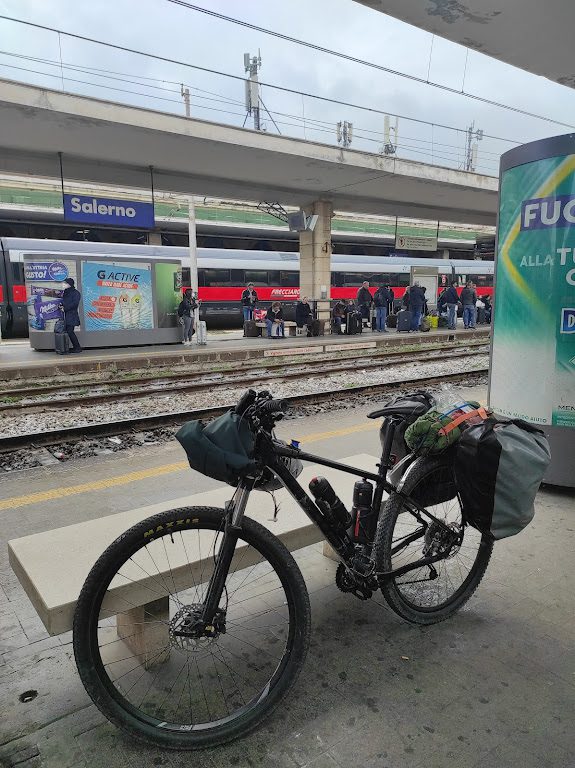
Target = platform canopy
(532,35)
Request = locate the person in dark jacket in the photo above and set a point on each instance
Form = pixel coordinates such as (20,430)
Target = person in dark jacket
(364,302)
(390,300)
(186,310)
(303,314)
(70,302)
(469,300)
(249,301)
(381,300)
(416,305)
(338,316)
(275,315)
(449,299)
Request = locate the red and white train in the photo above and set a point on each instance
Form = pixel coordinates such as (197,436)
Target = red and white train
(223,274)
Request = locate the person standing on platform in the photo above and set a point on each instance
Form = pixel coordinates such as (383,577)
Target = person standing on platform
(186,311)
(69,305)
(249,301)
(303,314)
(469,299)
(390,301)
(381,300)
(364,302)
(416,305)
(449,299)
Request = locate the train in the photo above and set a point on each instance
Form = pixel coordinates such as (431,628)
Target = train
(223,274)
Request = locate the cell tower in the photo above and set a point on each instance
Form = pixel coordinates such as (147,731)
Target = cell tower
(472,145)
(344,133)
(390,136)
(252,65)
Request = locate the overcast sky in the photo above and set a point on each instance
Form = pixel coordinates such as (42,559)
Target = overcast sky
(160,27)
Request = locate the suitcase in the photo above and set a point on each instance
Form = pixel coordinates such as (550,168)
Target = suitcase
(391,321)
(314,327)
(250,329)
(61,343)
(374,323)
(404,320)
(354,323)
(201,330)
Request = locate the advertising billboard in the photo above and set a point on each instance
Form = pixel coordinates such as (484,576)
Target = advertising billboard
(533,347)
(87,209)
(168,293)
(44,288)
(117,296)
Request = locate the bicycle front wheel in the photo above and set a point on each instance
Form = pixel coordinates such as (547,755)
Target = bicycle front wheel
(147,673)
(429,593)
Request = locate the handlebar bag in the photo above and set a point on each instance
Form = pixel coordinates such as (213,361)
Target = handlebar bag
(499,466)
(222,449)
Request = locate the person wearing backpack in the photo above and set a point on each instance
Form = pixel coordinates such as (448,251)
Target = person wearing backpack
(364,302)
(381,300)
(416,305)
(186,310)
(449,299)
(69,306)
(469,300)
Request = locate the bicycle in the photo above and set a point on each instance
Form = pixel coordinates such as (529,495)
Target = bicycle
(232,640)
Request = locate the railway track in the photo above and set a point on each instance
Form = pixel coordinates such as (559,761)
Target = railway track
(51,438)
(245,375)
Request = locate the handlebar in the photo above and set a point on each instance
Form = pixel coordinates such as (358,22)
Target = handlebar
(254,404)
(273,406)
(247,399)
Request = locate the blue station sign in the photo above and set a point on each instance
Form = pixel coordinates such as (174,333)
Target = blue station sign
(86,209)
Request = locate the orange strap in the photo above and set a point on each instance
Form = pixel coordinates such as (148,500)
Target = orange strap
(460,419)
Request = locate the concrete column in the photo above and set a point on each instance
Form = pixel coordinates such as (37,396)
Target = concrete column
(445,253)
(315,259)
(154,238)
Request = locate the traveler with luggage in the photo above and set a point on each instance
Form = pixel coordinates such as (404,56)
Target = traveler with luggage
(416,305)
(488,309)
(449,299)
(469,299)
(186,309)
(390,308)
(381,300)
(353,319)
(69,305)
(338,316)
(364,302)
(304,315)
(249,301)
(275,316)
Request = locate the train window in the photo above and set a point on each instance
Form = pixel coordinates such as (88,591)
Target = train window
(237,276)
(274,277)
(354,279)
(216,277)
(401,279)
(289,279)
(338,279)
(18,272)
(256,276)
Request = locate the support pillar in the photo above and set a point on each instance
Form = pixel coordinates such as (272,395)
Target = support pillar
(144,629)
(154,238)
(315,260)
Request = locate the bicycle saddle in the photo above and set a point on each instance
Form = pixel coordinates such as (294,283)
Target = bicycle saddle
(405,408)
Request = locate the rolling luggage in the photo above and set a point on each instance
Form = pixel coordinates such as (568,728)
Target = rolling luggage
(61,343)
(404,320)
(250,329)
(391,321)
(353,324)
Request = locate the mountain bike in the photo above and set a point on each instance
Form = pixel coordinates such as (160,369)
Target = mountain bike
(195,623)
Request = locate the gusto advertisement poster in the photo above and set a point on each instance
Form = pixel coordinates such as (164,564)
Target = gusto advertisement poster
(533,357)
(168,293)
(44,279)
(117,296)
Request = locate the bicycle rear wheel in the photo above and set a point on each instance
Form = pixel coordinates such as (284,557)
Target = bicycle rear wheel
(152,679)
(429,594)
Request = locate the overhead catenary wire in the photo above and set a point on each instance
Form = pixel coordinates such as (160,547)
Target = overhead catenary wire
(363,62)
(285,89)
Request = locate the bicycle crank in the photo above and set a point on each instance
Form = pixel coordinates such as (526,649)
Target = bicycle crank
(348,581)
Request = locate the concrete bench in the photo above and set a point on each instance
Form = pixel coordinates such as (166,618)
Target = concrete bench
(52,566)
(289,327)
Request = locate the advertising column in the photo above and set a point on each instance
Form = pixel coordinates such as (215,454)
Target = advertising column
(533,344)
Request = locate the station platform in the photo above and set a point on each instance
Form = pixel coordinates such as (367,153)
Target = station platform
(492,686)
(19,361)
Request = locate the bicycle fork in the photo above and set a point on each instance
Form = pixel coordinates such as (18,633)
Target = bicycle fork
(232,525)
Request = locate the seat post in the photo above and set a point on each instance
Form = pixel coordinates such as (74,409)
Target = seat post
(387,445)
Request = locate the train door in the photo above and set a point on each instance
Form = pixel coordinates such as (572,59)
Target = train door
(3,294)
(16,311)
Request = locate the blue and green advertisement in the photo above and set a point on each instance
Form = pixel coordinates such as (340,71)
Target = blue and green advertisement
(533,352)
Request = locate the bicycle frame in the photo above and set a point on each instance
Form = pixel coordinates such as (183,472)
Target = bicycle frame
(338,539)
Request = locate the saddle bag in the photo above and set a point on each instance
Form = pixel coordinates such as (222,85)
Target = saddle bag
(499,466)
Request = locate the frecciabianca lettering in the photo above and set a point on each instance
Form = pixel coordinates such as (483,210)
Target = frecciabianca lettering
(102,208)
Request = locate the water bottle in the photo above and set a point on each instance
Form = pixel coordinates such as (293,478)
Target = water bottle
(363,518)
(329,503)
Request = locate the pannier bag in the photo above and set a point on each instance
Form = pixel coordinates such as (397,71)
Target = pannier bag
(435,431)
(399,449)
(222,449)
(499,466)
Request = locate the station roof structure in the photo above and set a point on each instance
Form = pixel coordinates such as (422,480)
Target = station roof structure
(530,34)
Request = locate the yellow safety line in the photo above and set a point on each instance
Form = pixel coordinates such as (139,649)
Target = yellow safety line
(144,474)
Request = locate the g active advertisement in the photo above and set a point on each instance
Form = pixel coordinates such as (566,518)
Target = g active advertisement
(44,288)
(533,360)
(117,296)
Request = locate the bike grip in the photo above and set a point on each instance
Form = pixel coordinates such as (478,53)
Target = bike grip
(274,406)
(245,401)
